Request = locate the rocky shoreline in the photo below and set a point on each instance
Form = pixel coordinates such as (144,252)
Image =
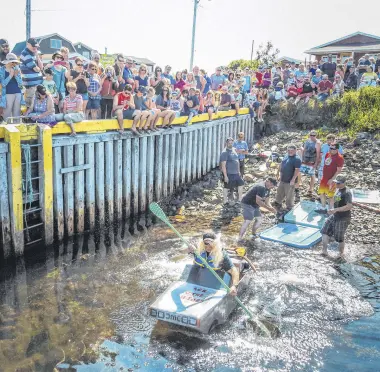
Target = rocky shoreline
(204,199)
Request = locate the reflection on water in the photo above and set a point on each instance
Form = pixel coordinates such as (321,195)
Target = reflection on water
(84,305)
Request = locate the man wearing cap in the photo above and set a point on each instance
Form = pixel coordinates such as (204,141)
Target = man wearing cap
(339,216)
(168,75)
(225,100)
(288,173)
(31,67)
(333,165)
(230,167)
(256,197)
(127,72)
(217,79)
(4,49)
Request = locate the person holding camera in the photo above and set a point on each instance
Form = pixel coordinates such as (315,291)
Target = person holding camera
(80,77)
(11,86)
(109,88)
(59,74)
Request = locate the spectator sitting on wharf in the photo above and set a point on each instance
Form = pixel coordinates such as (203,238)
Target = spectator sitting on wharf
(368,78)
(288,174)
(157,81)
(59,77)
(316,79)
(329,68)
(292,91)
(190,106)
(10,87)
(175,103)
(217,79)
(225,100)
(236,100)
(324,87)
(168,75)
(163,104)
(190,81)
(199,79)
(251,102)
(124,108)
(230,167)
(42,107)
(241,148)
(307,91)
(352,79)
(4,49)
(150,105)
(146,114)
(209,104)
(72,108)
(256,197)
(31,67)
(179,82)
(338,86)
(81,78)
(201,102)
(94,88)
(311,157)
(142,79)
(50,86)
(279,92)
(109,88)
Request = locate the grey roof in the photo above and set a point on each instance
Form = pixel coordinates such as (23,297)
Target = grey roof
(345,48)
(83,44)
(284,58)
(141,60)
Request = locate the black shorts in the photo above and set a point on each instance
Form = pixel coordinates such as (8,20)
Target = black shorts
(234,180)
(335,227)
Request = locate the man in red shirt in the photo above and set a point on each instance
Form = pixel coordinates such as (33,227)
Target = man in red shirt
(324,87)
(124,108)
(333,166)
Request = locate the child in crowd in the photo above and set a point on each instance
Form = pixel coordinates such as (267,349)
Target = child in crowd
(252,103)
(325,148)
(175,104)
(292,91)
(279,93)
(291,79)
(50,86)
(217,100)
(150,105)
(201,103)
(209,104)
(236,100)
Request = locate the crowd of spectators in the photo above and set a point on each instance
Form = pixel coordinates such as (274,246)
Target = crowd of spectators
(75,91)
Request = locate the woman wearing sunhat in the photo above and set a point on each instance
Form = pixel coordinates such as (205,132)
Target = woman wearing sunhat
(11,86)
(210,249)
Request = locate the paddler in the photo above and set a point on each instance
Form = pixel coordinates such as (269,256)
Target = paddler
(210,249)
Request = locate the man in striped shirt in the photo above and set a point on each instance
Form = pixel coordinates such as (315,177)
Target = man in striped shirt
(31,67)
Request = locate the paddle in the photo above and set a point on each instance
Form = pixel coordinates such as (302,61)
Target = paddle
(157,211)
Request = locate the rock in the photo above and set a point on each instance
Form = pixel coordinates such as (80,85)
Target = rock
(364,135)
(248,177)
(357,142)
(368,169)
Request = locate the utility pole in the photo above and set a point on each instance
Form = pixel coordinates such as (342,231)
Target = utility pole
(28,13)
(196,2)
(253,43)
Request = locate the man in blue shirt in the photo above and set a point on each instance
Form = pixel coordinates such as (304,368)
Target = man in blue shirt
(289,171)
(247,78)
(241,148)
(217,79)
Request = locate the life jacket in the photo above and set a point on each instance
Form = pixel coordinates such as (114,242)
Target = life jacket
(209,260)
(310,152)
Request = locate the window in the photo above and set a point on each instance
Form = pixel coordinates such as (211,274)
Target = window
(86,54)
(55,44)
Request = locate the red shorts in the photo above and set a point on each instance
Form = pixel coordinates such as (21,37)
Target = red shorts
(325,189)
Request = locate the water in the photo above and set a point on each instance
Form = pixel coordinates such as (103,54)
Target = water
(83,305)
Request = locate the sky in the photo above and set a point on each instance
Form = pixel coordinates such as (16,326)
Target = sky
(161,29)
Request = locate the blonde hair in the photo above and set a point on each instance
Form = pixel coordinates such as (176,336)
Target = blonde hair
(70,85)
(64,50)
(216,252)
(143,66)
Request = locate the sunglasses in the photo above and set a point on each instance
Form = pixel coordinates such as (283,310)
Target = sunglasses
(94,69)
(5,46)
(143,70)
(333,148)
(207,243)
(159,70)
(79,64)
(313,135)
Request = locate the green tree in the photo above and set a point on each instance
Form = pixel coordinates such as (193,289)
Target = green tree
(241,64)
(267,53)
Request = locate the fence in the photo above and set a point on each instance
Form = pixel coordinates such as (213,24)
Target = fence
(53,185)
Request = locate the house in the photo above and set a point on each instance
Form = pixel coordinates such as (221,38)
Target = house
(83,50)
(287,61)
(49,44)
(139,61)
(354,45)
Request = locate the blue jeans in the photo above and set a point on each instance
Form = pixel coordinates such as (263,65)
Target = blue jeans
(322,96)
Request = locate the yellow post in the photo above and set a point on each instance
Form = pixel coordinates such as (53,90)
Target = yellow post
(12,136)
(45,154)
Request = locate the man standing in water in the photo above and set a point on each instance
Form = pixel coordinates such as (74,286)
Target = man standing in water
(230,167)
(256,197)
(340,216)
